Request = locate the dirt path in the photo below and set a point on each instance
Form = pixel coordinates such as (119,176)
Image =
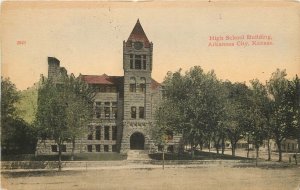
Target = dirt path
(212,178)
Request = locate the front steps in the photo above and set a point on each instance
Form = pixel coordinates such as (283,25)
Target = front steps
(140,155)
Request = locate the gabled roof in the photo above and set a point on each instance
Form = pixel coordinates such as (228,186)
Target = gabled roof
(102,79)
(112,80)
(138,34)
(154,84)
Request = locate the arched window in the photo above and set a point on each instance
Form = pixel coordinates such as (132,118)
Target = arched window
(132,87)
(142,84)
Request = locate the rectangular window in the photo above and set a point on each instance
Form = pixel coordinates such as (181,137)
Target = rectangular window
(138,62)
(98,109)
(131,61)
(90,148)
(114,148)
(114,109)
(97,147)
(63,148)
(114,132)
(132,88)
(98,133)
(54,148)
(133,112)
(106,133)
(141,112)
(144,62)
(90,135)
(105,148)
(142,87)
(107,110)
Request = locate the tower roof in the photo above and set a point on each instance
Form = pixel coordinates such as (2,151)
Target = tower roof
(138,34)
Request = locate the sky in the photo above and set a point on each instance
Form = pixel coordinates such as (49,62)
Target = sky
(87,37)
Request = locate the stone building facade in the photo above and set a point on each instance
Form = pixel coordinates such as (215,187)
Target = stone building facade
(124,106)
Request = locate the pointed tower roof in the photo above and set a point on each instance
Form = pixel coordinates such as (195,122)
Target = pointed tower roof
(138,34)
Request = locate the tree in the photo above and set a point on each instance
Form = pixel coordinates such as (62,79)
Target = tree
(236,119)
(64,110)
(16,135)
(79,111)
(278,89)
(258,114)
(293,101)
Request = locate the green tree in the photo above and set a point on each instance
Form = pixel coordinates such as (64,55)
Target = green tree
(16,135)
(79,111)
(236,119)
(278,89)
(293,101)
(64,110)
(258,114)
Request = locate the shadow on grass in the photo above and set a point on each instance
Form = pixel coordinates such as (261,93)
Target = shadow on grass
(39,173)
(198,155)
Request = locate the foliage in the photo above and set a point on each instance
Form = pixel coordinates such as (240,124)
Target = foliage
(17,136)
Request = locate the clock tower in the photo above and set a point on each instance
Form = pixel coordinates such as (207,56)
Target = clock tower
(137,66)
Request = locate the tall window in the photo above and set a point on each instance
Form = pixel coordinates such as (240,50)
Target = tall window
(107,110)
(141,112)
(144,62)
(90,135)
(142,84)
(132,84)
(133,112)
(98,109)
(98,133)
(106,133)
(114,109)
(131,61)
(114,132)
(138,62)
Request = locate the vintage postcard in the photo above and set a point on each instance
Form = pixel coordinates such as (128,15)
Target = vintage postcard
(150,95)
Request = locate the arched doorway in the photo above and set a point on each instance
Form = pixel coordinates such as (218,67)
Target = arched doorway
(137,141)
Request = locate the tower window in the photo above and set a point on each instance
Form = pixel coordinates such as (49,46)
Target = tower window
(142,84)
(131,61)
(133,112)
(138,62)
(132,84)
(144,62)
(141,112)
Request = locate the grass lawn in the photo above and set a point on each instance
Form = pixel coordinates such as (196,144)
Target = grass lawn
(198,155)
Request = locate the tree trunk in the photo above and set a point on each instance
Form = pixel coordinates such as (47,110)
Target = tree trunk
(201,146)
(59,157)
(233,145)
(279,150)
(73,149)
(269,150)
(217,144)
(223,145)
(257,152)
(248,144)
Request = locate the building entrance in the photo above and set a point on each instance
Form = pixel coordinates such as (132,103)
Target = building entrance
(137,141)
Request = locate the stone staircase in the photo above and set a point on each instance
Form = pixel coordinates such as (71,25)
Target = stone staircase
(137,155)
